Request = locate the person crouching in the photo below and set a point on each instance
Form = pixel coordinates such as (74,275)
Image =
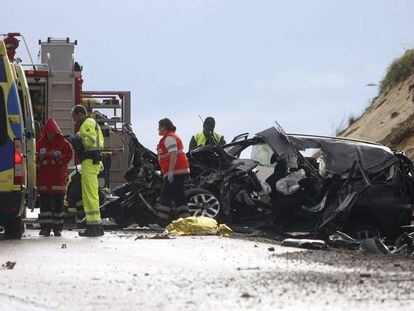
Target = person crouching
(53,155)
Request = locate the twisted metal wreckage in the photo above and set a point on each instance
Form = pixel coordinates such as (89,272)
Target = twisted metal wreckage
(314,185)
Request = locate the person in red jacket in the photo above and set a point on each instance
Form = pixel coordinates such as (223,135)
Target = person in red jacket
(174,168)
(53,154)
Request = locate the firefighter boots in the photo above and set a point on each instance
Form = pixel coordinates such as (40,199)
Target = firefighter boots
(92,230)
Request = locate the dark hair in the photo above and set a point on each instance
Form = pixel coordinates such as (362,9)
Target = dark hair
(79,109)
(167,123)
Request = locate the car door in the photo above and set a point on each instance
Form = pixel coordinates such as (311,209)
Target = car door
(280,143)
(262,153)
(6,137)
(11,127)
(30,135)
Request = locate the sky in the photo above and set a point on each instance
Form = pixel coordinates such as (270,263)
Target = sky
(305,64)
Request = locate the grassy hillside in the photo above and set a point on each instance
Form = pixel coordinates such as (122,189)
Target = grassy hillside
(398,71)
(390,118)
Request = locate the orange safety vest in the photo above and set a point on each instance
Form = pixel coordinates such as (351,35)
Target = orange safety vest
(181,166)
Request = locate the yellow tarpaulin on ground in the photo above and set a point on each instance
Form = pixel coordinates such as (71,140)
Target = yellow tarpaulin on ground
(197,226)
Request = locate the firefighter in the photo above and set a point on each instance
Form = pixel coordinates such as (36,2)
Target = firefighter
(88,144)
(175,168)
(54,153)
(204,137)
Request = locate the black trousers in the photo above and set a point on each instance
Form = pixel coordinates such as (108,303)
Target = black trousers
(173,193)
(52,211)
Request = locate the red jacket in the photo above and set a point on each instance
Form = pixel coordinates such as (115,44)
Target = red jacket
(53,172)
(181,166)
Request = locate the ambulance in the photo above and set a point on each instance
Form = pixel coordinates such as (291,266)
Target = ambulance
(17,147)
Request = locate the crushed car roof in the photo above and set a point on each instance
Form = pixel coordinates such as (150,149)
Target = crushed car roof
(338,154)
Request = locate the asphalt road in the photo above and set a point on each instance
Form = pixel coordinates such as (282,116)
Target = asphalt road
(120,272)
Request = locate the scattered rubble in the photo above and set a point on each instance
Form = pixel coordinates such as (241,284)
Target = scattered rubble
(163,236)
(304,243)
(365,275)
(248,268)
(342,240)
(404,245)
(247,295)
(9,265)
(160,237)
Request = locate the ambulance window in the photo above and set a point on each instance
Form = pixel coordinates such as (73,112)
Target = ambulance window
(4,137)
(3,75)
(22,104)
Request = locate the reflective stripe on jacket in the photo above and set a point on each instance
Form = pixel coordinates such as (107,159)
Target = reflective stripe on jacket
(181,166)
(201,138)
(91,135)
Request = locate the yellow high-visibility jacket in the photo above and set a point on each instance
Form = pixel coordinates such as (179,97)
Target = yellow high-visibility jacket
(201,138)
(91,135)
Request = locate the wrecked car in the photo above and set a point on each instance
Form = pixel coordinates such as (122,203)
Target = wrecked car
(309,183)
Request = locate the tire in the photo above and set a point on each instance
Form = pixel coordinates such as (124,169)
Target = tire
(113,211)
(14,228)
(363,230)
(203,203)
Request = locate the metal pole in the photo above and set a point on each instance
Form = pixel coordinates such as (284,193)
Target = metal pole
(28,51)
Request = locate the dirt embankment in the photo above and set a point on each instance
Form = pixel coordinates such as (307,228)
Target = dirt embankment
(389,120)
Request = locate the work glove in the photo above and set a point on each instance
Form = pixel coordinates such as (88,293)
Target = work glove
(57,155)
(42,154)
(170,177)
(54,155)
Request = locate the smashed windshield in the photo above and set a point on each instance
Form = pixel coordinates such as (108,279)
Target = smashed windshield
(262,153)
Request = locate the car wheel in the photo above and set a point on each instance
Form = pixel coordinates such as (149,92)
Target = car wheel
(361,231)
(14,228)
(203,203)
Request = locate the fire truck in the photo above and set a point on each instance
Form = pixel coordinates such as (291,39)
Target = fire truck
(56,85)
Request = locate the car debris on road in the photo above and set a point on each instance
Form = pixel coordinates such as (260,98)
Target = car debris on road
(163,236)
(304,243)
(404,245)
(9,265)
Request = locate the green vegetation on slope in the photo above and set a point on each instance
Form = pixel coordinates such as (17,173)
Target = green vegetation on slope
(398,71)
